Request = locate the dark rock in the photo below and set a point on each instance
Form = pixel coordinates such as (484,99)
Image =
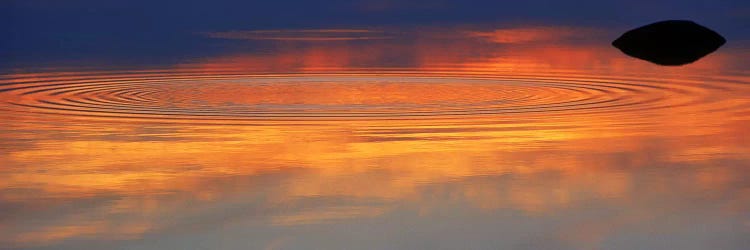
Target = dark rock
(673,42)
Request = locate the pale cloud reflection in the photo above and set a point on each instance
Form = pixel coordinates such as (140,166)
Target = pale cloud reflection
(302,35)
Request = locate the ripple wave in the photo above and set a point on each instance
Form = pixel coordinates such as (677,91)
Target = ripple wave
(175,96)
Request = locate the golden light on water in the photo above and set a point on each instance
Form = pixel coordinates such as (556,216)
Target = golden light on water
(326,134)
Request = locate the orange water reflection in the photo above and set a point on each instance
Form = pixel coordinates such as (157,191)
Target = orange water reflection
(661,162)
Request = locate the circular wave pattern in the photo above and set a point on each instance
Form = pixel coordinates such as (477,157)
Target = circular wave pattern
(197,97)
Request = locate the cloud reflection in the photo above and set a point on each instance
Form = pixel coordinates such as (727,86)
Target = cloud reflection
(531,35)
(302,35)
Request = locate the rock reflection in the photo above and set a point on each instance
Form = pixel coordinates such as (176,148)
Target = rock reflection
(673,42)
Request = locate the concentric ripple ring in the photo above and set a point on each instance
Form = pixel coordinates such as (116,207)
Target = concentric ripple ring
(198,97)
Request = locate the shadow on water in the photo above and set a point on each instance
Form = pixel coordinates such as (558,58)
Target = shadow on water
(671,43)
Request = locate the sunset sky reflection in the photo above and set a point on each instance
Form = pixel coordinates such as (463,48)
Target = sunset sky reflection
(466,136)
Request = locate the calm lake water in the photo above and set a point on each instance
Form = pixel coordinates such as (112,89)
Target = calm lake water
(451,138)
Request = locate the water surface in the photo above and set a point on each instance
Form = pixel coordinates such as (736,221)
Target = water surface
(507,138)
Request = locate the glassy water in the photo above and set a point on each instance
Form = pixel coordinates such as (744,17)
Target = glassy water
(522,138)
